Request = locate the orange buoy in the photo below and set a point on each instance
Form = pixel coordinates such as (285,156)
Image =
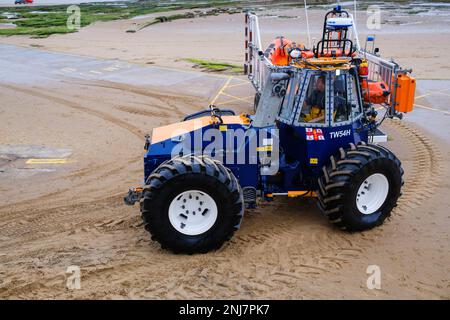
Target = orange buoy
(375,91)
(278,51)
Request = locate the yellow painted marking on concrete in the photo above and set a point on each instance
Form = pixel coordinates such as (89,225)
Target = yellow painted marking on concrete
(230,101)
(221,90)
(110,69)
(46,161)
(445,94)
(431,93)
(430,108)
(238,98)
(243,82)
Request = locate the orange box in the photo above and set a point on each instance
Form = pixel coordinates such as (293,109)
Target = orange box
(406,89)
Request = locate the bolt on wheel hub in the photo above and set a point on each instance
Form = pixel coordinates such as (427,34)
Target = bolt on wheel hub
(372,193)
(193,212)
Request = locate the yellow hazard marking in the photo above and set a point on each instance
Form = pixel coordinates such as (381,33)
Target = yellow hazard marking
(445,94)
(221,90)
(110,69)
(223,128)
(431,93)
(238,84)
(264,149)
(233,100)
(46,161)
(68,69)
(429,108)
(313,160)
(245,99)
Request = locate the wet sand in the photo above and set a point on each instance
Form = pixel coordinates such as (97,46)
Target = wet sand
(284,250)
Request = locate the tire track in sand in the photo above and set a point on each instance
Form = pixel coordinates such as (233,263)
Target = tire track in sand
(277,252)
(74,105)
(279,247)
(24,222)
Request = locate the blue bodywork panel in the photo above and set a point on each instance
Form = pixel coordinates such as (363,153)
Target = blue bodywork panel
(302,153)
(245,170)
(304,147)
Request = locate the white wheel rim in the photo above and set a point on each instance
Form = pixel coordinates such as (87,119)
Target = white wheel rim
(372,193)
(193,212)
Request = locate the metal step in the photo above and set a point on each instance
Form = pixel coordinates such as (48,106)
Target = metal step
(379,137)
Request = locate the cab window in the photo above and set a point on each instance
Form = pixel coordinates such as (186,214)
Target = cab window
(287,103)
(313,108)
(355,102)
(341,110)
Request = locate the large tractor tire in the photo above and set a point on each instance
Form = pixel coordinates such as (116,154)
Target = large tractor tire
(360,187)
(192,204)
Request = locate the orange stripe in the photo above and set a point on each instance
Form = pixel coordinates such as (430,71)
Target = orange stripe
(176,129)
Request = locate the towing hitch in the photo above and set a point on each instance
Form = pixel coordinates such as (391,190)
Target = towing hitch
(133,196)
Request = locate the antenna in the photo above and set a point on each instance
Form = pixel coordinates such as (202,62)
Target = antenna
(358,45)
(307,25)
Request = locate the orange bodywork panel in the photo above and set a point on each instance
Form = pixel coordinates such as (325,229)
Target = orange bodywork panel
(406,89)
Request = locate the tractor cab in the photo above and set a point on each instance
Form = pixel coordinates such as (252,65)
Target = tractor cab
(317,109)
(321,112)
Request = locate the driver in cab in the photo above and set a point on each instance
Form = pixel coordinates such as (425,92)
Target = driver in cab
(315,102)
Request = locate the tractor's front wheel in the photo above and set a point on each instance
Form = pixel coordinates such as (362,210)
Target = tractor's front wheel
(192,204)
(359,189)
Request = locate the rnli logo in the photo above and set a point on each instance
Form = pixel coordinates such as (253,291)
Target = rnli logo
(314,134)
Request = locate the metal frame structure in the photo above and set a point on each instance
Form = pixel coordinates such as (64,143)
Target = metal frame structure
(258,67)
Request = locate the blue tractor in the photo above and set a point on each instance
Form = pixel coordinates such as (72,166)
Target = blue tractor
(314,134)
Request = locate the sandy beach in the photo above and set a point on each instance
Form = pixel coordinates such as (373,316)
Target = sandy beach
(52,217)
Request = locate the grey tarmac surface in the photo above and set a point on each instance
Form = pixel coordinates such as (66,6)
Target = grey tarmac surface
(28,66)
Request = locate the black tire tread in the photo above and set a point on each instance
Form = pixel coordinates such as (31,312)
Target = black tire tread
(177,167)
(334,182)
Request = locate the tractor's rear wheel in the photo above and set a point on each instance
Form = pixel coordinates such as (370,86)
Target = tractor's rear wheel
(360,187)
(192,204)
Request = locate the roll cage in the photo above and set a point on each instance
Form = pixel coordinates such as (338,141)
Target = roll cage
(259,68)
